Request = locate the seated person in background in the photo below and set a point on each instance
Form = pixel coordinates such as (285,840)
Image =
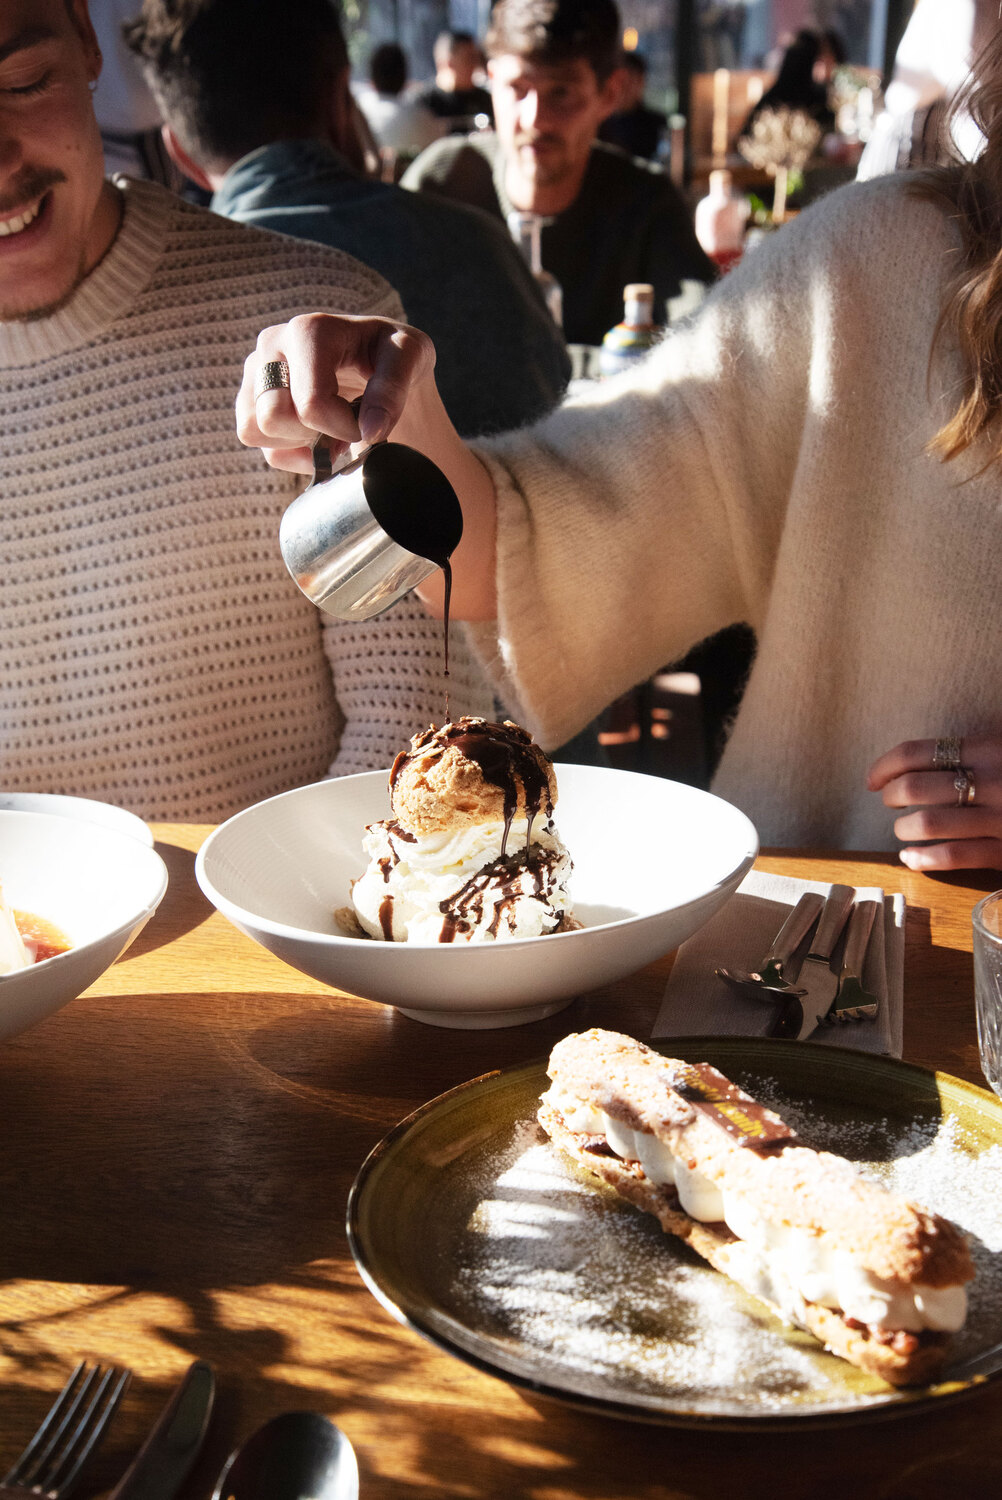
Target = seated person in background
(245,119)
(403,126)
(156,653)
(634,127)
(608,220)
(931,66)
(817,452)
(455,97)
(801,83)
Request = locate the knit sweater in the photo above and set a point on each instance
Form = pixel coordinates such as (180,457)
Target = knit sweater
(768,464)
(156,653)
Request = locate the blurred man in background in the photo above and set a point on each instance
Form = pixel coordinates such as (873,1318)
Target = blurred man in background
(607,220)
(634,127)
(399,125)
(269,137)
(455,96)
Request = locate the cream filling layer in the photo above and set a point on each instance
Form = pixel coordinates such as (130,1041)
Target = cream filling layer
(786,1265)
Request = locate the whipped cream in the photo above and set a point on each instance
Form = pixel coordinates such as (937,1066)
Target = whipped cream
(785,1265)
(457,886)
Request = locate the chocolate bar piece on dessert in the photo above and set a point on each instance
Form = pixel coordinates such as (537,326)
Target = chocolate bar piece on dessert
(879,1280)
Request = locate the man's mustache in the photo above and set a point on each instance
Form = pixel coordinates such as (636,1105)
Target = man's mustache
(32,184)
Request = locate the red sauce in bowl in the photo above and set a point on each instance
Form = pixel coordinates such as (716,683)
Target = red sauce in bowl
(43,936)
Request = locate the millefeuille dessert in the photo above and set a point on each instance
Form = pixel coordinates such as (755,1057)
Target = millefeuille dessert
(876,1278)
(471,853)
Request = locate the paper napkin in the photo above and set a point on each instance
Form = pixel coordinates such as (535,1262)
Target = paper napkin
(697,1003)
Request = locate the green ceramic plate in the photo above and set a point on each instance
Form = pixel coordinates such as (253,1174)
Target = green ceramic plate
(472,1231)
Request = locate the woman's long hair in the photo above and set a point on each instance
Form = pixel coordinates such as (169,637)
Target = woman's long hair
(972,305)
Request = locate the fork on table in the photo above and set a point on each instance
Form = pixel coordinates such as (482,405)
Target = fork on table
(852,1002)
(76,1422)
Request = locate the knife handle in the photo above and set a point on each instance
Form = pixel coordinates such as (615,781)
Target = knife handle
(860,927)
(796,927)
(832,921)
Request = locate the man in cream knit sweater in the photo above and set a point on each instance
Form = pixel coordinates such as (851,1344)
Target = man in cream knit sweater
(768,463)
(156,653)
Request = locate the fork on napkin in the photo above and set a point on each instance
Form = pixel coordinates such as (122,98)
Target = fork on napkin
(697,1003)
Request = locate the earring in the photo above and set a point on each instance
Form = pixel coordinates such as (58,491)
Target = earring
(92,85)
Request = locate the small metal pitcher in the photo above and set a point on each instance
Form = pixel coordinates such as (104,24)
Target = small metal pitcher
(369,528)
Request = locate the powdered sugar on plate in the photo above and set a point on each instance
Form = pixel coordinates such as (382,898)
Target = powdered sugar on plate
(595,1290)
(587,1295)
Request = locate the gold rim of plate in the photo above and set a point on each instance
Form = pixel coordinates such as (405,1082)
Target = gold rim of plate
(412,1204)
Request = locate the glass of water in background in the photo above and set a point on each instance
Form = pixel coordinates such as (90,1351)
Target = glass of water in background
(988,985)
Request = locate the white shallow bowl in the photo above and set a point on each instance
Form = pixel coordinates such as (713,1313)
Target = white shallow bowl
(86,808)
(653,860)
(98,885)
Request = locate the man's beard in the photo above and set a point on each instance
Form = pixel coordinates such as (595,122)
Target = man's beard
(552,168)
(30,187)
(47,309)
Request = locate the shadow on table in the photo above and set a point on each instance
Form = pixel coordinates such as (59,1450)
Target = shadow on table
(429,1428)
(182,910)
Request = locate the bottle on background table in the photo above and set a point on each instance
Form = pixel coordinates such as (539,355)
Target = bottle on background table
(630,339)
(720,221)
(527,230)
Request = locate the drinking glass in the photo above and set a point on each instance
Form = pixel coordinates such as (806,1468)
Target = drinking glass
(988,985)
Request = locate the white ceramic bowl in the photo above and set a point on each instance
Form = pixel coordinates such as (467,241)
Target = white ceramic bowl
(86,808)
(98,885)
(653,860)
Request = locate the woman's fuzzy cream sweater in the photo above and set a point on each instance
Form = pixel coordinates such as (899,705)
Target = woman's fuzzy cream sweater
(769,464)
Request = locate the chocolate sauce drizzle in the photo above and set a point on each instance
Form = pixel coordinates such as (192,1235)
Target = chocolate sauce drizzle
(507,758)
(465,910)
(447,571)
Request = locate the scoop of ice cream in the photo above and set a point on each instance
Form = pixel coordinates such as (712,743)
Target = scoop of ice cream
(471,772)
(458,886)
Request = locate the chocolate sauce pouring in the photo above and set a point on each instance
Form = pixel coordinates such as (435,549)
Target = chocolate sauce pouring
(369,528)
(416,505)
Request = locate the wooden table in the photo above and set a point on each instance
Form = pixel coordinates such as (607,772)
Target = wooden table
(178,1145)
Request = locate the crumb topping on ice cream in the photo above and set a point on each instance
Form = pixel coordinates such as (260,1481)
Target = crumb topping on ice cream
(468,772)
(471,853)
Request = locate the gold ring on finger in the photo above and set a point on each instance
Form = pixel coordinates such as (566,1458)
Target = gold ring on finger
(965,786)
(272,376)
(946,754)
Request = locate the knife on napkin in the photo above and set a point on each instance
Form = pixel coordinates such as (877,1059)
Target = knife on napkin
(816,975)
(168,1453)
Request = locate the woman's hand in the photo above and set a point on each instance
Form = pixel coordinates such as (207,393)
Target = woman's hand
(953,831)
(331,359)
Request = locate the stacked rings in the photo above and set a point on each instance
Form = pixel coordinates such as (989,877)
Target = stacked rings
(946,755)
(273,376)
(965,787)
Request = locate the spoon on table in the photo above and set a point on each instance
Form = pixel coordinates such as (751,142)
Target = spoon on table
(297,1456)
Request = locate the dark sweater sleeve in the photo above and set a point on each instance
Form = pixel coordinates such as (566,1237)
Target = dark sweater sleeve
(452,169)
(674,251)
